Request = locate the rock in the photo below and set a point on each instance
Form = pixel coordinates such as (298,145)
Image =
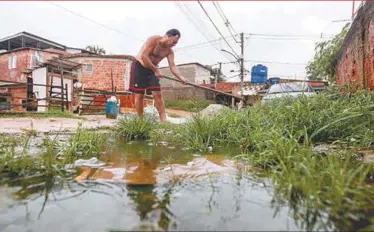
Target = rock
(212,109)
(367,155)
(324,148)
(151,112)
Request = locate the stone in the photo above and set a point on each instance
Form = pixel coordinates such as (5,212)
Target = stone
(212,109)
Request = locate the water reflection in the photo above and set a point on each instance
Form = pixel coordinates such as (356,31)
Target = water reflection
(147,187)
(146,174)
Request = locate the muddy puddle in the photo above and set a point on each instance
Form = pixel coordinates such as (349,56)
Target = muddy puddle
(147,186)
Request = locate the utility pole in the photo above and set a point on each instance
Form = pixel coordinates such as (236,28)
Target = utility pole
(241,62)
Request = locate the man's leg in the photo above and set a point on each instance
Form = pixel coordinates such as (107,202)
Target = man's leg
(159,102)
(139,101)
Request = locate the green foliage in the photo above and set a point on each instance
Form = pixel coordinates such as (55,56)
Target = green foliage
(217,72)
(323,65)
(135,127)
(96,50)
(188,105)
(15,160)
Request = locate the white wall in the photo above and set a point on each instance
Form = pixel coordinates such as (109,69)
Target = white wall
(39,76)
(73,51)
(57,82)
(201,75)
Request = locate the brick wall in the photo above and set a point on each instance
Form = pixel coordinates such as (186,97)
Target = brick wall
(186,93)
(100,76)
(175,90)
(194,73)
(18,94)
(356,58)
(22,63)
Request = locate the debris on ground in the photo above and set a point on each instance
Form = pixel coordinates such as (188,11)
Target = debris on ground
(92,163)
(212,109)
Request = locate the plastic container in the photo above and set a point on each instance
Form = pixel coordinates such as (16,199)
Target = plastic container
(255,79)
(259,70)
(274,80)
(112,108)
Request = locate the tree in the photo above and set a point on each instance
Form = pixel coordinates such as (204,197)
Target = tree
(323,65)
(216,72)
(96,49)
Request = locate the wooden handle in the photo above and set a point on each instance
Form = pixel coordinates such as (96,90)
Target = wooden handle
(205,88)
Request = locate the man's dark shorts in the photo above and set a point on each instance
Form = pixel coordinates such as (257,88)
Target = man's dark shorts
(142,79)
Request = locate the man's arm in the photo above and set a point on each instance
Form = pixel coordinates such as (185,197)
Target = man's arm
(148,47)
(173,68)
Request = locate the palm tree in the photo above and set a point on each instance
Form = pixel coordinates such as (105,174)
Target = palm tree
(96,49)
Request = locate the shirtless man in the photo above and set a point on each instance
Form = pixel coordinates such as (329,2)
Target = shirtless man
(144,73)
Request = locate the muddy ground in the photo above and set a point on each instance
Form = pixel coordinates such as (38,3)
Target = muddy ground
(52,125)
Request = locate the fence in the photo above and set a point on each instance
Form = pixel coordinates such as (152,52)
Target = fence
(30,102)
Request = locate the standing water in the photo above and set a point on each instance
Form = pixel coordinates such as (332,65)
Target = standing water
(148,186)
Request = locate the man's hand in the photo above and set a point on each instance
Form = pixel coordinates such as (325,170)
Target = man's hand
(183,80)
(158,73)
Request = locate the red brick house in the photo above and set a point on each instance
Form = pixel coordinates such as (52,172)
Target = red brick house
(96,70)
(19,53)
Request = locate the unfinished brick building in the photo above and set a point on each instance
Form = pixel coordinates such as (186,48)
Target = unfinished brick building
(356,58)
(97,71)
(195,73)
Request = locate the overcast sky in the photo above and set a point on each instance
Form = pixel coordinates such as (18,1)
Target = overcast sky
(125,25)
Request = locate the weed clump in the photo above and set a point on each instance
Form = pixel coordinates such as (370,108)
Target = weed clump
(53,155)
(133,128)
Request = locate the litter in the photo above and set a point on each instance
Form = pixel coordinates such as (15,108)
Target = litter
(92,163)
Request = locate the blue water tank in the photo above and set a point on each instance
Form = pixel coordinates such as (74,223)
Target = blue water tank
(274,80)
(260,70)
(257,79)
(259,74)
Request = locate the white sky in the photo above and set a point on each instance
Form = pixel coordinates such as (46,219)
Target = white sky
(142,19)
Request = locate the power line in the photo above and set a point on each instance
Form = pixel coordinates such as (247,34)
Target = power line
(198,27)
(298,39)
(206,13)
(192,46)
(201,23)
(267,62)
(286,35)
(225,19)
(110,28)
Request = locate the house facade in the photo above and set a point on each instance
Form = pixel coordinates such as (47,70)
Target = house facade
(19,54)
(97,70)
(195,72)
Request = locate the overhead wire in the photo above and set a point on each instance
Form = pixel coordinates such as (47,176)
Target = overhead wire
(210,19)
(203,44)
(89,19)
(225,19)
(187,12)
(267,62)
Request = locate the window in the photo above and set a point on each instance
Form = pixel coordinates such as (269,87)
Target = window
(35,60)
(12,62)
(89,68)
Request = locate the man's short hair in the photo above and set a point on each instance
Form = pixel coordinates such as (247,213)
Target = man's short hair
(173,32)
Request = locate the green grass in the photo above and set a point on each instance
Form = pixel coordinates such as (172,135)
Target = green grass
(15,160)
(135,128)
(188,105)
